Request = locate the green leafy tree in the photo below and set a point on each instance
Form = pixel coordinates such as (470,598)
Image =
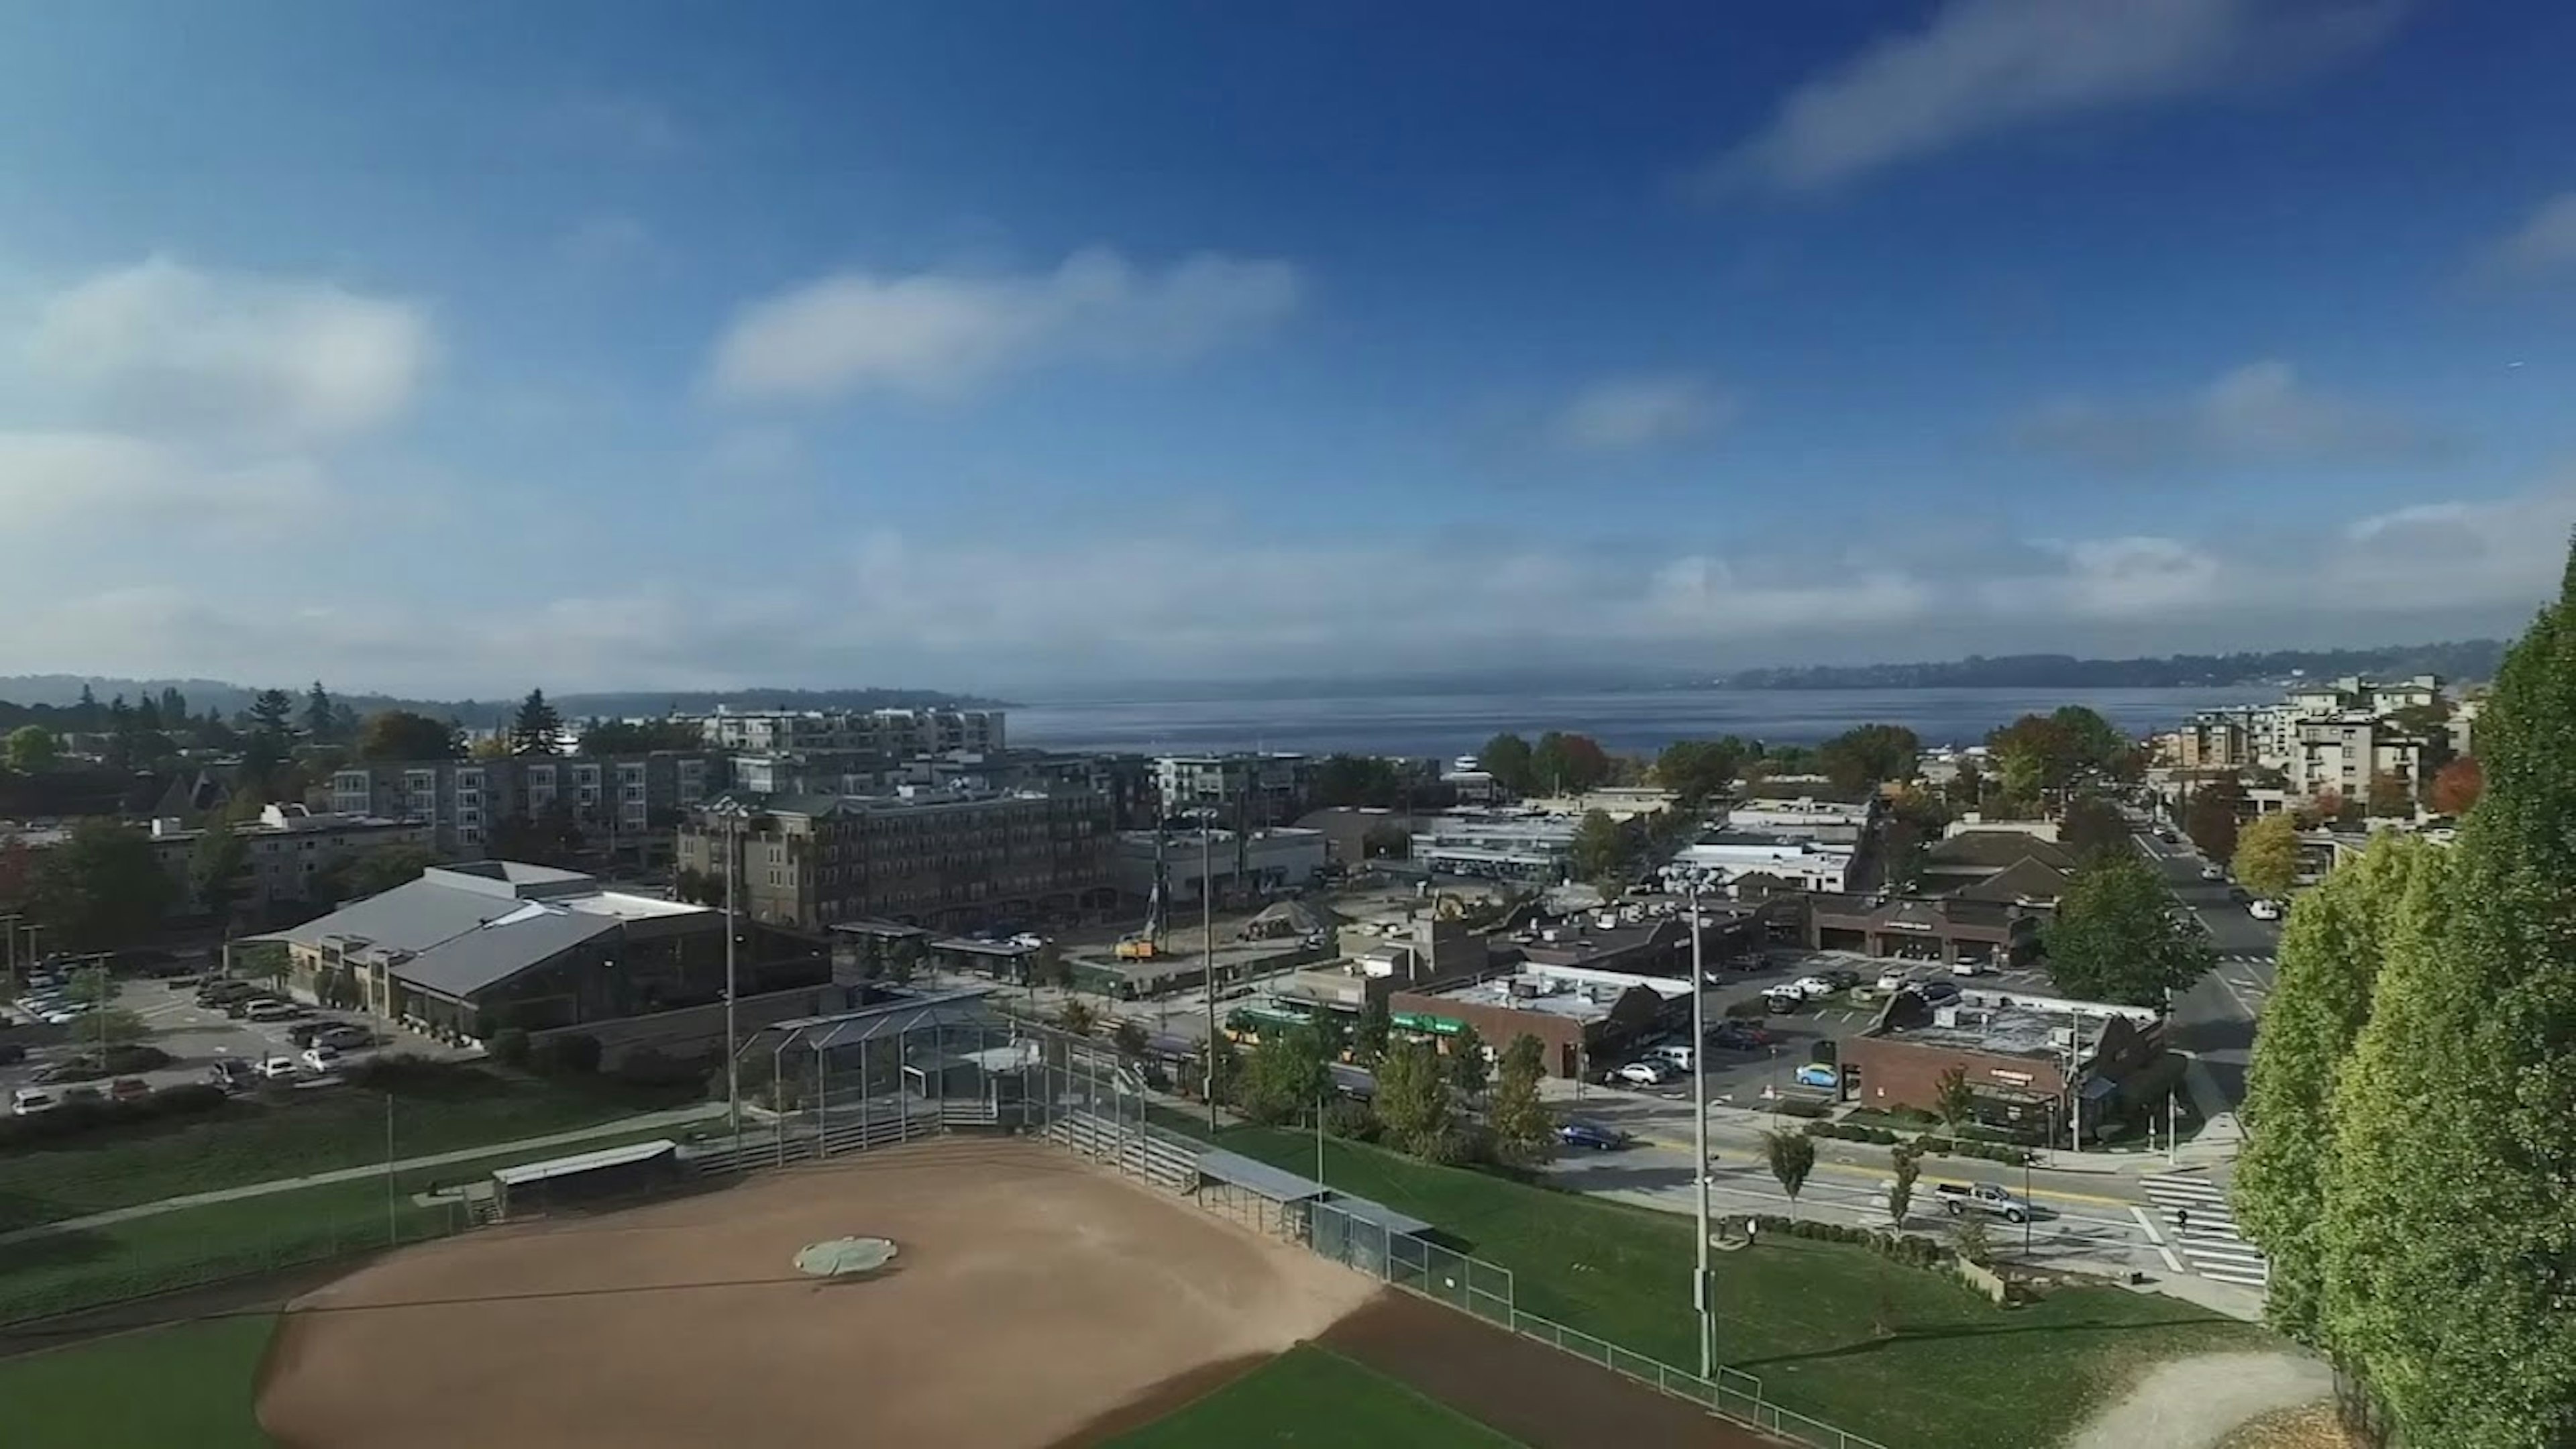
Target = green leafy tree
(2034,754)
(1413,1102)
(1792,1156)
(535,728)
(2267,855)
(2091,741)
(1218,1072)
(1506,757)
(100,888)
(1867,755)
(1906,1161)
(2332,953)
(1967,789)
(1377,1021)
(1602,850)
(32,749)
(1130,1039)
(2117,937)
(1285,1077)
(1701,770)
(215,866)
(2389,796)
(399,734)
(1952,1098)
(1567,764)
(1524,1135)
(1077,1017)
(2210,818)
(2092,826)
(1358,780)
(1469,1070)
(2451,1224)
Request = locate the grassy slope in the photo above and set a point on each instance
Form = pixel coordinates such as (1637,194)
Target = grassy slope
(251,1141)
(187,1384)
(1309,1396)
(63,1271)
(1800,1315)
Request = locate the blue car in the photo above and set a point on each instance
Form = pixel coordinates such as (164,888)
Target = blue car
(1817,1074)
(1579,1133)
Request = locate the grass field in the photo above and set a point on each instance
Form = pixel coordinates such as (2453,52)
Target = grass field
(252,1141)
(60,1272)
(1802,1316)
(187,1384)
(1312,1396)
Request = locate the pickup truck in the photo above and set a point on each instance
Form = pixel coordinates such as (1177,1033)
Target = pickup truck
(1956,1198)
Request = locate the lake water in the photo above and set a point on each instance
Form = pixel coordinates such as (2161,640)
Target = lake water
(1443,725)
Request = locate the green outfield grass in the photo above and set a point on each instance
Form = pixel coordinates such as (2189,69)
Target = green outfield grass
(1804,1317)
(1314,1397)
(189,1384)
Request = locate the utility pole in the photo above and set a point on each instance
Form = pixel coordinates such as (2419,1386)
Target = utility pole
(1701,1294)
(1207,957)
(393,1219)
(9,933)
(733,1064)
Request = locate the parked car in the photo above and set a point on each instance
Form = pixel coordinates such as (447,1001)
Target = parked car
(1961,1198)
(1737,1036)
(279,1068)
(1937,992)
(321,1058)
(224,990)
(1968,966)
(28,1101)
(1577,1132)
(344,1036)
(1781,1001)
(1840,978)
(272,1009)
(83,1094)
(127,1089)
(1812,987)
(1643,1073)
(2213,872)
(232,1074)
(2167,837)
(1892,979)
(1819,1074)
(2264,910)
(1672,1054)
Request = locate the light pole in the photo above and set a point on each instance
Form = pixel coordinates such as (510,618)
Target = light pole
(730,811)
(1207,957)
(1701,1296)
(9,934)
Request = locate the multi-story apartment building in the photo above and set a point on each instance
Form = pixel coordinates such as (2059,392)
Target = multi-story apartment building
(944,859)
(899,734)
(2340,753)
(285,851)
(2218,739)
(1254,789)
(625,806)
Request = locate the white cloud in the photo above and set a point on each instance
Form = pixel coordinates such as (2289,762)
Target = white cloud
(1985,66)
(2543,244)
(164,348)
(2259,413)
(57,483)
(938,334)
(1628,414)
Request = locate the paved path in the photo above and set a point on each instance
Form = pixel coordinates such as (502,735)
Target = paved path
(2195,1403)
(677,1117)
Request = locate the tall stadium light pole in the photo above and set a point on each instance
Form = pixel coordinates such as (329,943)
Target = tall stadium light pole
(1700,1295)
(1207,958)
(733,1063)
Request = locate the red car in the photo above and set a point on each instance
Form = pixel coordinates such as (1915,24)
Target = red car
(128,1089)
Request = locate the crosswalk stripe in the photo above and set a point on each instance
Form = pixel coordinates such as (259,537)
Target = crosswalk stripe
(2249,1280)
(2223,1255)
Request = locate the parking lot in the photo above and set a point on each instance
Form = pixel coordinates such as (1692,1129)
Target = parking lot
(196,1037)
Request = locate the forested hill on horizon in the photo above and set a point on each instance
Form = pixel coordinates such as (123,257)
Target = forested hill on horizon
(2467,659)
(61,691)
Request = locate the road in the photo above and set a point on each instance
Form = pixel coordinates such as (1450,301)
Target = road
(2215,1019)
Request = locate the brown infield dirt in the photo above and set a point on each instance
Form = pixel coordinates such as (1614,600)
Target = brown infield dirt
(1035,1301)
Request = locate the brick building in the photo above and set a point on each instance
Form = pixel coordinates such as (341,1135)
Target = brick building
(2026,1059)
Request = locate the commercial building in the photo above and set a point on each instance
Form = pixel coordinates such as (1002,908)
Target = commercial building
(1619,802)
(287,852)
(1831,822)
(899,734)
(467,950)
(1805,864)
(951,860)
(1495,844)
(2027,1060)
(1920,928)
(1239,865)
(1969,856)
(1580,1025)
(623,806)
(1250,788)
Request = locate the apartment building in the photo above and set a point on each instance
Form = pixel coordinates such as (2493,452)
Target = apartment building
(624,805)
(2340,753)
(286,850)
(2219,739)
(1253,789)
(899,734)
(947,859)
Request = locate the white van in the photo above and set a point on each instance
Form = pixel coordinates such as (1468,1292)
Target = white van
(1673,1054)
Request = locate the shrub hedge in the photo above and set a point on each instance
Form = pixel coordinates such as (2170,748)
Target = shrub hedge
(74,1118)
(1933,1143)
(1912,1249)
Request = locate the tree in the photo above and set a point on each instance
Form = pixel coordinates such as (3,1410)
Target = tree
(2034,754)
(1601,848)
(174,708)
(2332,954)
(2267,855)
(2210,818)
(1077,1017)
(1286,1076)
(2092,826)
(1506,757)
(32,749)
(321,721)
(1953,1098)
(1906,1160)
(215,866)
(100,888)
(1971,1240)
(1386,842)
(1867,755)
(2454,790)
(2091,742)
(1358,780)
(547,839)
(1563,763)
(1468,1068)
(2451,1229)
(536,727)
(1967,789)
(1413,1101)
(2389,797)
(1368,1043)
(2116,936)
(490,747)
(85,713)
(399,734)
(1698,771)
(376,871)
(1130,1039)
(1792,1156)
(1524,1135)
(272,716)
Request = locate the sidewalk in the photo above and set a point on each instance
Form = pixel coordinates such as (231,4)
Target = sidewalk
(676,1117)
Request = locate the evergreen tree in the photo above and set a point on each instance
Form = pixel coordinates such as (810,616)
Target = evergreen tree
(318,715)
(2331,956)
(174,707)
(85,713)
(534,729)
(2451,1218)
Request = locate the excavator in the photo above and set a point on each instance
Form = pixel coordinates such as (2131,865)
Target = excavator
(1147,944)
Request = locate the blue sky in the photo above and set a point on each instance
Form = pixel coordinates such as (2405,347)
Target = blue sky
(1006,346)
